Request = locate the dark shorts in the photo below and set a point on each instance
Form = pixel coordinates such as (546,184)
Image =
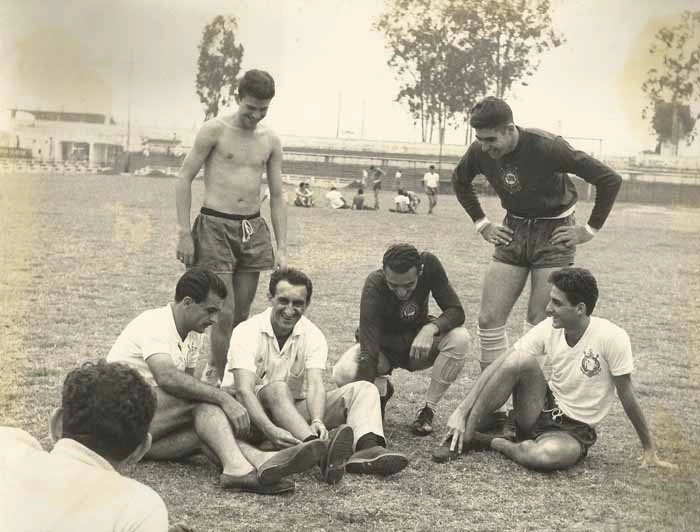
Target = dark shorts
(226,245)
(531,247)
(431,191)
(552,419)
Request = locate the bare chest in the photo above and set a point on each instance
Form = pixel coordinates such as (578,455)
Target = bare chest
(236,149)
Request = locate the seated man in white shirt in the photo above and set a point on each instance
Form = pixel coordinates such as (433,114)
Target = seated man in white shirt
(101,427)
(336,199)
(194,417)
(277,360)
(590,359)
(401,202)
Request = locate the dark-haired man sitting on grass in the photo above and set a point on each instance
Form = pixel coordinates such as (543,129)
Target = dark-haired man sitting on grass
(192,416)
(591,361)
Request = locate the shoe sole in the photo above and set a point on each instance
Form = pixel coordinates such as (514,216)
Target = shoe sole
(339,451)
(420,431)
(295,459)
(259,489)
(444,457)
(384,465)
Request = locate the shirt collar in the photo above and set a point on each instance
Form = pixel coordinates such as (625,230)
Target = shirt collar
(73,450)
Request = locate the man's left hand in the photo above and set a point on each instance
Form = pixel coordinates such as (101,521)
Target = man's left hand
(651,459)
(570,235)
(423,342)
(319,429)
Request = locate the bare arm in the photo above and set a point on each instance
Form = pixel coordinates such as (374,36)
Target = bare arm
(245,386)
(278,207)
(180,384)
(204,142)
(316,401)
(625,391)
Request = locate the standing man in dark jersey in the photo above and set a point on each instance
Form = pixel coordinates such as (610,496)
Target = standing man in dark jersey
(528,170)
(397,332)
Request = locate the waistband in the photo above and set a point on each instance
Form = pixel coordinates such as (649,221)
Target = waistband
(228,216)
(568,212)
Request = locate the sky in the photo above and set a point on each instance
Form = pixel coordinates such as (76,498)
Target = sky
(137,59)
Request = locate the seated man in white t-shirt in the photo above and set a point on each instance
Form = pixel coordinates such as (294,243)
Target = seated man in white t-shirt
(277,361)
(101,427)
(336,199)
(194,417)
(401,202)
(590,360)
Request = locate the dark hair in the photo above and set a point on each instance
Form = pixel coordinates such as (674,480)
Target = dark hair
(197,283)
(400,192)
(360,190)
(258,84)
(292,276)
(401,257)
(578,284)
(491,113)
(432,167)
(107,407)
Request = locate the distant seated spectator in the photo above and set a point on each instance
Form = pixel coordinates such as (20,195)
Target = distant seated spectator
(101,426)
(336,199)
(358,201)
(304,195)
(401,202)
(413,201)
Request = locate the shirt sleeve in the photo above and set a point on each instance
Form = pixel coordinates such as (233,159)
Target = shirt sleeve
(316,354)
(619,354)
(370,318)
(243,348)
(154,344)
(534,342)
(462,184)
(452,312)
(606,181)
(146,513)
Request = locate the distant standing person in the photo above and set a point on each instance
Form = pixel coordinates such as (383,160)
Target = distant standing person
(431,183)
(365,175)
(397,179)
(229,237)
(528,170)
(377,174)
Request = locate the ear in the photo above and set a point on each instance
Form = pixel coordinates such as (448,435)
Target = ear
(186,301)
(56,424)
(140,451)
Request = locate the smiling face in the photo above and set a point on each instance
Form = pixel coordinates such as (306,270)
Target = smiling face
(288,306)
(497,142)
(251,110)
(564,314)
(402,285)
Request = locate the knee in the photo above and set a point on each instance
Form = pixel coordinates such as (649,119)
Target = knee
(345,370)
(275,395)
(548,456)
(458,340)
(363,389)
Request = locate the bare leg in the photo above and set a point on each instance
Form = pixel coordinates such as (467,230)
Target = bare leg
(520,375)
(550,451)
(345,370)
(277,399)
(539,294)
(221,334)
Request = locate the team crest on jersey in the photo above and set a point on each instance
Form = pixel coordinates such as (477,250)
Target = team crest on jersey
(408,311)
(511,181)
(590,363)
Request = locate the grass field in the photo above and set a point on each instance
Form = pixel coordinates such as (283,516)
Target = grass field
(81,256)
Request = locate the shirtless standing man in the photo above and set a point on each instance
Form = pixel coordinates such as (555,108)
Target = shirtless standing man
(229,237)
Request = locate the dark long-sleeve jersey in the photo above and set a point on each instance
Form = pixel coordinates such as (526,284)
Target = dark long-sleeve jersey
(532,181)
(381,312)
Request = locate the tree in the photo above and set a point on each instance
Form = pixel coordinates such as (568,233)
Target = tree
(218,65)
(676,82)
(448,53)
(663,121)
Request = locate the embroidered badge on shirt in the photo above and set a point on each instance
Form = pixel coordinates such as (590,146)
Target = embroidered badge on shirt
(590,363)
(511,181)
(408,311)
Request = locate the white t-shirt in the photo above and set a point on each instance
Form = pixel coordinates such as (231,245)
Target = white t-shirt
(153,332)
(582,375)
(254,347)
(401,202)
(335,198)
(397,175)
(72,488)
(431,179)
